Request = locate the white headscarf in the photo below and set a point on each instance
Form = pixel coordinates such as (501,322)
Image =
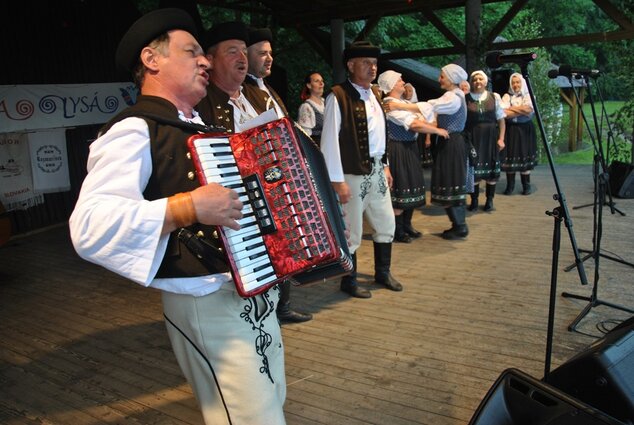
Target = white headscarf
(387,80)
(478,72)
(523,91)
(455,73)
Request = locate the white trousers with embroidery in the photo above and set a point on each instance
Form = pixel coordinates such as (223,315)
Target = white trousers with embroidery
(370,199)
(230,350)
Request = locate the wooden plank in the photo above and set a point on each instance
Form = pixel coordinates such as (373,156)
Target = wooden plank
(82,345)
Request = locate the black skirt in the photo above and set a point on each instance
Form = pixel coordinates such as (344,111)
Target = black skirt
(484,137)
(520,152)
(408,189)
(449,171)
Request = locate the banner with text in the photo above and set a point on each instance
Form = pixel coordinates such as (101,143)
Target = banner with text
(16,182)
(36,107)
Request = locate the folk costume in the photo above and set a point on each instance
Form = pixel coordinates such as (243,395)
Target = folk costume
(353,142)
(311,118)
(449,171)
(408,187)
(229,348)
(483,115)
(520,153)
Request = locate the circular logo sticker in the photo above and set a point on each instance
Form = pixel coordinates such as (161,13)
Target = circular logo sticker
(49,158)
(273,174)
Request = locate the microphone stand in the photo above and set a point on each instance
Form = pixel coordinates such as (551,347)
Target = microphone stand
(604,114)
(559,214)
(601,180)
(599,158)
(601,185)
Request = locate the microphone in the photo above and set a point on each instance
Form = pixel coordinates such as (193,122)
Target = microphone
(568,71)
(497,59)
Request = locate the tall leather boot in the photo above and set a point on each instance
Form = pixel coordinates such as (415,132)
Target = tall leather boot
(459,229)
(474,198)
(490,192)
(510,183)
(382,262)
(452,218)
(350,285)
(284,312)
(461,221)
(399,231)
(526,184)
(407,224)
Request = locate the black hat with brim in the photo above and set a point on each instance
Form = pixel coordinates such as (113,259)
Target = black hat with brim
(147,28)
(234,30)
(361,49)
(259,34)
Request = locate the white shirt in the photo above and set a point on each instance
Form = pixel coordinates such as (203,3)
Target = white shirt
(523,99)
(402,118)
(243,111)
(262,86)
(306,115)
(113,226)
(332,126)
(447,104)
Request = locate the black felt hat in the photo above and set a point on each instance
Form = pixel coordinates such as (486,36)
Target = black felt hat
(361,49)
(234,30)
(146,29)
(259,34)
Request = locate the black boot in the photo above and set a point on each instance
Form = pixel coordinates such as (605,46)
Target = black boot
(350,285)
(452,218)
(407,224)
(284,312)
(526,184)
(382,262)
(490,191)
(474,198)
(510,183)
(459,230)
(399,231)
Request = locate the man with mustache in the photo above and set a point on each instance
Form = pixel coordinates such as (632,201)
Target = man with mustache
(138,200)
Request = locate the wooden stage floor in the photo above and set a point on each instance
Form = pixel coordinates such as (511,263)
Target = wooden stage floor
(79,345)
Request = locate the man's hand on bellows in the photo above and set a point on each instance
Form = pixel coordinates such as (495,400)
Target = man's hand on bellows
(216,205)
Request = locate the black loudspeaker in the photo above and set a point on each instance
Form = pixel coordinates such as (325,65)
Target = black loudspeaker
(519,399)
(500,80)
(621,179)
(603,374)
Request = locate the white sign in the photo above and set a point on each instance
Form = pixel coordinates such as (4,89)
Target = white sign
(49,161)
(16,183)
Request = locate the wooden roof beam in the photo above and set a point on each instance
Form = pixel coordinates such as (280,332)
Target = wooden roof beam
(615,14)
(504,21)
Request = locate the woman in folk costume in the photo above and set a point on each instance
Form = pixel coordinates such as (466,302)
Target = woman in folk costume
(311,112)
(449,172)
(485,129)
(403,128)
(521,140)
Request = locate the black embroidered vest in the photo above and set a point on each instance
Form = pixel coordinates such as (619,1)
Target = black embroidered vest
(172,172)
(354,144)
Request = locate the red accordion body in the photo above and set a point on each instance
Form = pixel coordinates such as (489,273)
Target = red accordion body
(285,230)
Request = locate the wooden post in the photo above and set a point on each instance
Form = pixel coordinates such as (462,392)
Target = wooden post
(336,50)
(582,93)
(473,11)
(572,128)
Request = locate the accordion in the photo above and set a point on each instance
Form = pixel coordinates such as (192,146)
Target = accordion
(292,226)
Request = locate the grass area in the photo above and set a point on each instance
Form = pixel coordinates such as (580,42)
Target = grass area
(582,156)
(585,154)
